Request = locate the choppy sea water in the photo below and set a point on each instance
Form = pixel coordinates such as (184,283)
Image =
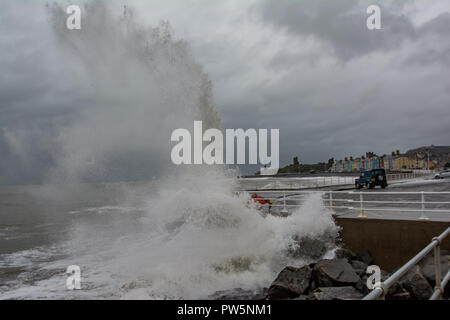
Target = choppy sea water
(37,224)
(146,241)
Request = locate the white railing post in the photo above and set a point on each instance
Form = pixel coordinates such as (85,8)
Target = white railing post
(284,211)
(423,216)
(362,214)
(331,200)
(437,267)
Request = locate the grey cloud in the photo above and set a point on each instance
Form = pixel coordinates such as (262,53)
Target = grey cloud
(344,90)
(308,68)
(93,105)
(439,25)
(339,24)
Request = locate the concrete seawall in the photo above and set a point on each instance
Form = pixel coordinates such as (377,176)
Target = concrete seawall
(390,242)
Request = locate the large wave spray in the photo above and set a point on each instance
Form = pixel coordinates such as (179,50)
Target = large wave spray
(195,235)
(135,86)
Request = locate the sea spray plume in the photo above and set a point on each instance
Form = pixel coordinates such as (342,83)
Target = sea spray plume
(136,85)
(196,236)
(213,241)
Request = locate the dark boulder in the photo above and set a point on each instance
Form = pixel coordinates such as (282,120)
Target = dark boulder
(239,294)
(365,257)
(361,286)
(334,273)
(305,297)
(395,291)
(415,283)
(427,266)
(313,248)
(337,293)
(402,295)
(359,267)
(344,253)
(291,282)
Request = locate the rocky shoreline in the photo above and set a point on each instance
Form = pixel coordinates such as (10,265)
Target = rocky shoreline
(342,278)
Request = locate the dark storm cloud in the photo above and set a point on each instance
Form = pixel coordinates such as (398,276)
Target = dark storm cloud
(341,24)
(345,89)
(91,105)
(37,96)
(308,68)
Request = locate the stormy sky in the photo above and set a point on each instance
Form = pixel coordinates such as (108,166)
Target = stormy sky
(309,68)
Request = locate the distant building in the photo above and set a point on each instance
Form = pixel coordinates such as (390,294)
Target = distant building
(429,157)
(390,162)
(348,166)
(421,158)
(356,165)
(374,163)
(367,164)
(401,162)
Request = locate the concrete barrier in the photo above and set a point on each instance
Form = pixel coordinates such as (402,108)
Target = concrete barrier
(391,243)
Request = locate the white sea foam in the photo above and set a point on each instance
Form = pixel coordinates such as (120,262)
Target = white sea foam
(195,236)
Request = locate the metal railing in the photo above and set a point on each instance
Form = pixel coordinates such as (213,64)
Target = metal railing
(280,183)
(337,200)
(296,183)
(363,203)
(380,289)
(406,175)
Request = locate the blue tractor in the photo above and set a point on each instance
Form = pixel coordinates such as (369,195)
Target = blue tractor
(372,178)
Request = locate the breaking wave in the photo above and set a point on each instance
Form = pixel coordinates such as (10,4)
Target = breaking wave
(192,234)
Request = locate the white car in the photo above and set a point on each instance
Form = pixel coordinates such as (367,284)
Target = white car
(442,174)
